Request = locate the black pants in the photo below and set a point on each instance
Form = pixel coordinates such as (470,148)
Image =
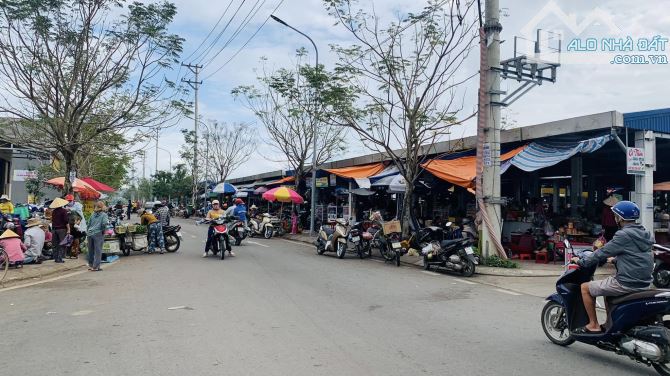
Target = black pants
(59,250)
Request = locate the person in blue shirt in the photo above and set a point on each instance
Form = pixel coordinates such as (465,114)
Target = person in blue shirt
(240,210)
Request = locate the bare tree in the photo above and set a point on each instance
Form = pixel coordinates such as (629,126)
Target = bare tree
(408,75)
(291,104)
(229,147)
(78,71)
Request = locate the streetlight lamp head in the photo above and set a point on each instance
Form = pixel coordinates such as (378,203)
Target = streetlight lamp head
(278,20)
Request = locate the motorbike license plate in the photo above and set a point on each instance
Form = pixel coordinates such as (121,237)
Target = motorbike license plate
(356,239)
(240,230)
(469,250)
(179,234)
(396,245)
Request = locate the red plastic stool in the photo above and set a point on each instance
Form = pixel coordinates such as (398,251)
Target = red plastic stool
(541,258)
(525,256)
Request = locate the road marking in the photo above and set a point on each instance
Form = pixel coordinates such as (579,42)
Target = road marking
(262,245)
(193,236)
(429,272)
(82,313)
(508,292)
(464,281)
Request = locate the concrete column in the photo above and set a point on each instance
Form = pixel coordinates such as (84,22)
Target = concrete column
(644,184)
(576,184)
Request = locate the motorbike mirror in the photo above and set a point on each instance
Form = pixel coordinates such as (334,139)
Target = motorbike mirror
(448,224)
(567,243)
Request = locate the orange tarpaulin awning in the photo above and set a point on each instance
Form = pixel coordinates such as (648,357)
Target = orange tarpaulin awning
(288,179)
(357,172)
(461,171)
(665,186)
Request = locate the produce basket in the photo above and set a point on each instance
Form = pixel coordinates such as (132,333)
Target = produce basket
(132,228)
(392,226)
(120,229)
(111,247)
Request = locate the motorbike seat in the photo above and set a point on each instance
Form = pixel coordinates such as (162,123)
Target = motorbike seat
(644,294)
(450,243)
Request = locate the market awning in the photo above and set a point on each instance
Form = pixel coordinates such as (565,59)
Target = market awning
(383,178)
(665,186)
(541,154)
(288,179)
(461,171)
(357,172)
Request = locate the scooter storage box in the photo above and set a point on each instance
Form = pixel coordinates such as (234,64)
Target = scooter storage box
(111,247)
(655,334)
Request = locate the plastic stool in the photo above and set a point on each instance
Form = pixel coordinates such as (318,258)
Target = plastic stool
(541,257)
(525,256)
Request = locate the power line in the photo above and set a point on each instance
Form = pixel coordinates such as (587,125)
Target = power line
(252,13)
(210,31)
(203,55)
(245,43)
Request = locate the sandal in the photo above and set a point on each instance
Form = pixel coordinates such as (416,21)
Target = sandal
(584,330)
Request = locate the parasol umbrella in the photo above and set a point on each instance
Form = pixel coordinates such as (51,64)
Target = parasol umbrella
(283,194)
(260,190)
(98,186)
(84,189)
(225,188)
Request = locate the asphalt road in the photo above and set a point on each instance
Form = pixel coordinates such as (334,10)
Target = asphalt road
(279,309)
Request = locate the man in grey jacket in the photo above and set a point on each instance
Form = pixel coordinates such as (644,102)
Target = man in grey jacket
(631,252)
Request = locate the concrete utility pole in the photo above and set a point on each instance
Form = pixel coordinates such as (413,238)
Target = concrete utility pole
(144,165)
(195,84)
(156,167)
(489,131)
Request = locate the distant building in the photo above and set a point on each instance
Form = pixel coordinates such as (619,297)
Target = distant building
(18,163)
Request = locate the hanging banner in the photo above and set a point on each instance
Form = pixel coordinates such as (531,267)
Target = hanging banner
(23,175)
(635,161)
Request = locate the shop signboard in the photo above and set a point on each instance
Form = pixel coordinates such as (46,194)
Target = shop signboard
(322,182)
(23,175)
(635,161)
(486,155)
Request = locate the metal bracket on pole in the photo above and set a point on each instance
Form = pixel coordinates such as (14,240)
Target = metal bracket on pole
(621,144)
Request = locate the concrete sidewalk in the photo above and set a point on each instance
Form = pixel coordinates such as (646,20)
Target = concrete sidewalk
(525,269)
(33,272)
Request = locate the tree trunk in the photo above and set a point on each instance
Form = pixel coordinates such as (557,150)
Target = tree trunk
(69,166)
(407,205)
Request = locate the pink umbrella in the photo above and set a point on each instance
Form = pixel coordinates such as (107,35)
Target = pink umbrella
(283,194)
(260,190)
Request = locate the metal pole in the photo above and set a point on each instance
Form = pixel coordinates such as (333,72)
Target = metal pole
(312,220)
(156,171)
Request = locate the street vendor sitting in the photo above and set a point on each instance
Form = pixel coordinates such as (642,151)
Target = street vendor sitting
(34,241)
(12,244)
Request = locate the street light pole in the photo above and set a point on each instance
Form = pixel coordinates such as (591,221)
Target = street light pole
(312,221)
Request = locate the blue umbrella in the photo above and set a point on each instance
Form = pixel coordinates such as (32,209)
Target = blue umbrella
(225,188)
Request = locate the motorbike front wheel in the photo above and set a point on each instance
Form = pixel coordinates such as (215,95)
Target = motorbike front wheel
(172,243)
(341,250)
(386,253)
(238,241)
(360,251)
(555,325)
(267,234)
(222,247)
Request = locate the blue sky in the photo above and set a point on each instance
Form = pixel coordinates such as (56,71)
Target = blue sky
(584,85)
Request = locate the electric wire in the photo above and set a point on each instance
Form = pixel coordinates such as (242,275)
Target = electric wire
(203,55)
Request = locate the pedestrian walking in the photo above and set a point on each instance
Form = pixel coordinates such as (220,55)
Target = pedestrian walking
(155,231)
(95,234)
(61,228)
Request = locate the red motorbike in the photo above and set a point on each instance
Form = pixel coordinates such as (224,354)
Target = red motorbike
(220,237)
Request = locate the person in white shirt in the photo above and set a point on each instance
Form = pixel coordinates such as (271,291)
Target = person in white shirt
(34,241)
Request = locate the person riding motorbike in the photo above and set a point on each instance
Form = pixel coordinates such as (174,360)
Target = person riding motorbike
(240,211)
(215,213)
(630,250)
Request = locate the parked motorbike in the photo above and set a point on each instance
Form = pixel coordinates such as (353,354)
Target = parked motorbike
(634,328)
(455,255)
(238,230)
(333,238)
(262,227)
(172,237)
(661,266)
(221,236)
(360,243)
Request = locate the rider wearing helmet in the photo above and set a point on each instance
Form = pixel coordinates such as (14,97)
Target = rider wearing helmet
(630,250)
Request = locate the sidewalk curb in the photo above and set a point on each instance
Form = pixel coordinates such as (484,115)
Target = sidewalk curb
(482,270)
(38,276)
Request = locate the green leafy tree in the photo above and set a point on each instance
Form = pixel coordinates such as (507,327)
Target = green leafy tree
(292,104)
(76,72)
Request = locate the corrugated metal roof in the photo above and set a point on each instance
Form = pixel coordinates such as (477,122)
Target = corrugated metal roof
(652,120)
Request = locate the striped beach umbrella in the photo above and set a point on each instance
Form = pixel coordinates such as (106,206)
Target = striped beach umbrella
(283,194)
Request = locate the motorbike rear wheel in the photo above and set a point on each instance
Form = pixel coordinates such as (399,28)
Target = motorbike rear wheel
(172,243)
(397,258)
(386,253)
(554,324)
(468,268)
(341,250)
(426,265)
(238,241)
(661,278)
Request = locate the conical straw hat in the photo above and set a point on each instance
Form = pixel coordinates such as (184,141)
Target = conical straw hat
(9,234)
